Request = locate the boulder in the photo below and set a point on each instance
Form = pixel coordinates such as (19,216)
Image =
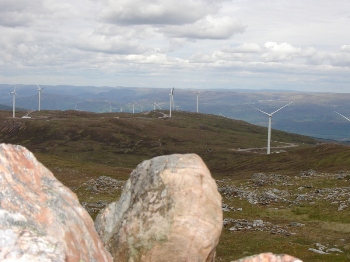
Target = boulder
(169,210)
(40,218)
(269,257)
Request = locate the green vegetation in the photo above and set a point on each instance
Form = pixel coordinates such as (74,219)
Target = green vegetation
(80,146)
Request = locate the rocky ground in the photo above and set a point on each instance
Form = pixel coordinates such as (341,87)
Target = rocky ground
(308,190)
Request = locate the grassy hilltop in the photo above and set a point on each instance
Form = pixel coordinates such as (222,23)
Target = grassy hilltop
(83,148)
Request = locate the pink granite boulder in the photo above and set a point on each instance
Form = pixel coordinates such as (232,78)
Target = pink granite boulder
(170,210)
(40,218)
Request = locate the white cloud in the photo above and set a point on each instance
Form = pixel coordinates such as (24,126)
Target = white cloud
(345,48)
(341,58)
(244,48)
(206,28)
(280,52)
(108,44)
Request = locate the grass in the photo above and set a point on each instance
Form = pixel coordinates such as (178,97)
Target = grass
(79,146)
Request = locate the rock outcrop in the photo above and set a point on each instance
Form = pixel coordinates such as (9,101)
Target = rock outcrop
(170,210)
(41,219)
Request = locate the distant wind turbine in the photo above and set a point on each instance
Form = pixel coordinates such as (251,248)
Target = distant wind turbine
(39,89)
(133,108)
(342,116)
(154,106)
(110,107)
(197,99)
(269,127)
(13,102)
(121,109)
(171,100)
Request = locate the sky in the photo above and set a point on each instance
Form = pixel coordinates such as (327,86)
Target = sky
(301,45)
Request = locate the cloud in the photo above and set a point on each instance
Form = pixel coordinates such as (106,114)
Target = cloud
(279,52)
(206,28)
(345,48)
(15,13)
(192,19)
(158,12)
(341,58)
(108,44)
(244,48)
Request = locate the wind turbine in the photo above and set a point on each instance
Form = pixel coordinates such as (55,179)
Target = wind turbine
(197,99)
(121,109)
(269,127)
(133,108)
(171,100)
(154,106)
(110,107)
(13,102)
(39,89)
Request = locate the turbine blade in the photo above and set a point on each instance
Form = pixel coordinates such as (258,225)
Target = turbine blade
(280,108)
(261,111)
(342,116)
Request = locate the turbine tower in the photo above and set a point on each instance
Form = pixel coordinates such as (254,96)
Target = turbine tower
(269,127)
(39,90)
(197,100)
(13,102)
(171,100)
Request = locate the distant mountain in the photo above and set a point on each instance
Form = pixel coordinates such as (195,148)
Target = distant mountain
(310,114)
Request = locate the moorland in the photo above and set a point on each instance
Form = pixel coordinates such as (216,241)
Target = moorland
(310,113)
(295,200)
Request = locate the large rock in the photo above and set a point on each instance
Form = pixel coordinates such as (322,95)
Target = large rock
(170,210)
(269,257)
(41,219)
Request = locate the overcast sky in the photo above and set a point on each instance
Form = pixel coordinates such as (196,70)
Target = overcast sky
(252,44)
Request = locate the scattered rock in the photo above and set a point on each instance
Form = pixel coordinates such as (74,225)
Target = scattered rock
(296,224)
(307,173)
(323,250)
(334,250)
(342,206)
(268,257)
(103,184)
(169,208)
(41,219)
(317,251)
(255,225)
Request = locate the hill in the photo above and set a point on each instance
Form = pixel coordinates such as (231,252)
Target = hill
(310,114)
(121,139)
(124,140)
(275,202)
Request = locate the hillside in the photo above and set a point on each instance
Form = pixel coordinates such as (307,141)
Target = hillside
(310,114)
(277,200)
(120,139)
(124,140)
